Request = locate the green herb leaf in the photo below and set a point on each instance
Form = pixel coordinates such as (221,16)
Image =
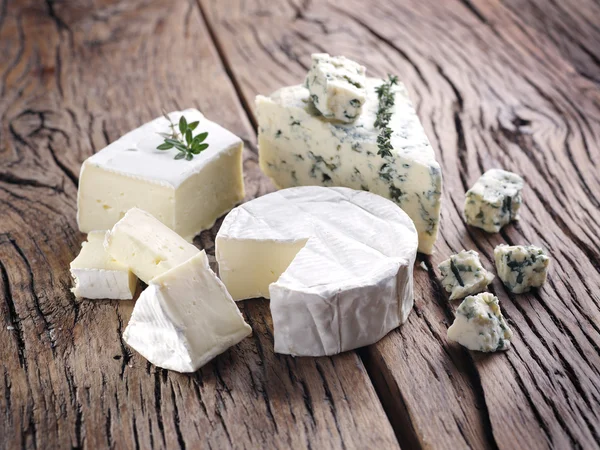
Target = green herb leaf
(182,125)
(384,115)
(201,137)
(186,143)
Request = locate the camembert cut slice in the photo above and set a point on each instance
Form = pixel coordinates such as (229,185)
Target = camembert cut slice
(185,317)
(298,146)
(97,275)
(336,263)
(147,246)
(187,196)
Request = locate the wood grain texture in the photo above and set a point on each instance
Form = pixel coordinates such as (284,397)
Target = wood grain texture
(74,76)
(511,84)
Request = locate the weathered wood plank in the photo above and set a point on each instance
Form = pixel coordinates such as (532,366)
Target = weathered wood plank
(494,89)
(76,76)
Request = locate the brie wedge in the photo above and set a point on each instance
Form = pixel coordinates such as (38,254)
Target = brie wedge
(187,196)
(185,317)
(147,246)
(336,263)
(97,275)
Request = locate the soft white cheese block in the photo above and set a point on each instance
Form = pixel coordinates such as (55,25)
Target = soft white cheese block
(147,246)
(336,263)
(187,196)
(97,275)
(463,274)
(521,267)
(337,86)
(494,200)
(299,147)
(479,324)
(185,317)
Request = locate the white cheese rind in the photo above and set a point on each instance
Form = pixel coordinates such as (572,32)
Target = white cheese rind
(463,274)
(188,196)
(494,200)
(479,324)
(521,267)
(147,246)
(336,263)
(185,317)
(299,147)
(337,86)
(96,275)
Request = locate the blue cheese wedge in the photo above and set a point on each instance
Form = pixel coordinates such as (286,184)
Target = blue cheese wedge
(494,200)
(479,324)
(97,275)
(337,86)
(521,267)
(185,317)
(300,147)
(187,196)
(463,274)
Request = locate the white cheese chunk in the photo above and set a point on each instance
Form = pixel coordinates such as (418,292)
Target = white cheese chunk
(336,263)
(185,317)
(187,196)
(494,200)
(521,267)
(479,324)
(337,86)
(147,246)
(97,275)
(299,147)
(463,274)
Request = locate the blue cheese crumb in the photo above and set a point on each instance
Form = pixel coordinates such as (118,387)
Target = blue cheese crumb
(337,87)
(463,274)
(521,267)
(494,200)
(479,324)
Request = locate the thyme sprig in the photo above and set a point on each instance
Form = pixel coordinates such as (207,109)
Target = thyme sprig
(187,144)
(384,115)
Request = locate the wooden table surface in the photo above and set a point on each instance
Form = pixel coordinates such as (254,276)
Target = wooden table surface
(497,83)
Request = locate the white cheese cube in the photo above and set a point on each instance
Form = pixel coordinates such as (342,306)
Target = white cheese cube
(147,246)
(187,196)
(299,147)
(97,275)
(185,317)
(521,267)
(336,263)
(479,324)
(494,200)
(463,274)
(337,86)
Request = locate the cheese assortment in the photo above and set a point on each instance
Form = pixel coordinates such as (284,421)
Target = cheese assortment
(479,324)
(97,275)
(185,317)
(132,172)
(494,200)
(333,250)
(521,267)
(463,274)
(298,146)
(343,278)
(337,87)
